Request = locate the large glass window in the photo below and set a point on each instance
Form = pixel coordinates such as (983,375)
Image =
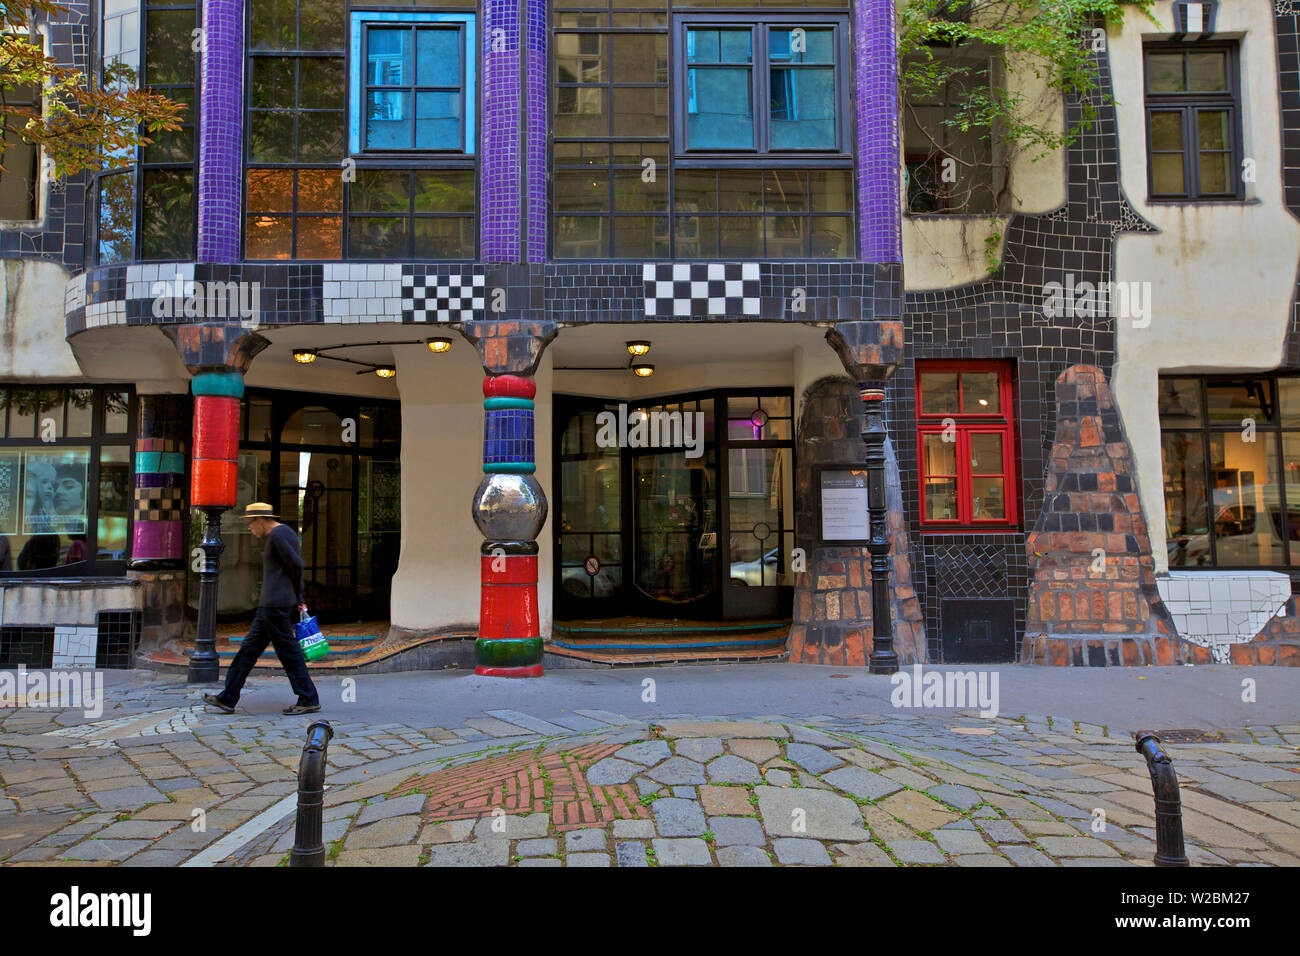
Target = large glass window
(756,163)
(954,161)
(320,181)
(65,480)
(156,189)
(413,82)
(20,179)
(966,445)
(760,87)
(1230,449)
(1193,121)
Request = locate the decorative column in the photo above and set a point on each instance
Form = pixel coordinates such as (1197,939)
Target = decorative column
(158,530)
(509,505)
(879,159)
(871,352)
(221,131)
(501,224)
(217,356)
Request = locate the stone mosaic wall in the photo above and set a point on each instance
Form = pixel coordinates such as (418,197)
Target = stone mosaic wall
(1093,599)
(1001,317)
(832,602)
(1277,643)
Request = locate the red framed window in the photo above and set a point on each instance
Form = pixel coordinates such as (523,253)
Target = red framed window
(966,445)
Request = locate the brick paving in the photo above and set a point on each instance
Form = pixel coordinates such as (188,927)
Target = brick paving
(157,781)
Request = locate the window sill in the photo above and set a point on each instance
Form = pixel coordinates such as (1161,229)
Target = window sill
(1161,201)
(971,529)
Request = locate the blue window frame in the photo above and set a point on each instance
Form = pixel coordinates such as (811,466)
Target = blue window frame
(412,83)
(764,88)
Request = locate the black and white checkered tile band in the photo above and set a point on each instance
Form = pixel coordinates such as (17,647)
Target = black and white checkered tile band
(451,298)
(696,289)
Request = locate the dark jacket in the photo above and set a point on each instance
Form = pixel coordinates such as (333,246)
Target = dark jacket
(281,569)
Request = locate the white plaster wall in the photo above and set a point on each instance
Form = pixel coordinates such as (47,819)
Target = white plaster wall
(437,582)
(32,343)
(944,251)
(1222,274)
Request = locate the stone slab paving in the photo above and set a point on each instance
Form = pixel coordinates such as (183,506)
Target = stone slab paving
(157,780)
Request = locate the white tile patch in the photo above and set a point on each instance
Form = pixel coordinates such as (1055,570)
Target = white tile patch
(75,646)
(1217,609)
(74,294)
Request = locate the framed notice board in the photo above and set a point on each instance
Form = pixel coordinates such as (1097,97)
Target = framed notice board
(842,503)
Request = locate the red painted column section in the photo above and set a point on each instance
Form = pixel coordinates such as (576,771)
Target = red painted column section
(216,451)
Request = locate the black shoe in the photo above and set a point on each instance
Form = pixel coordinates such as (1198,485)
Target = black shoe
(213,700)
(300,709)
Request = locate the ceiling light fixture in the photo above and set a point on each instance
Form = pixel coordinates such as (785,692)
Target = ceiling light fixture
(385,371)
(638,349)
(304,356)
(439,345)
(643,371)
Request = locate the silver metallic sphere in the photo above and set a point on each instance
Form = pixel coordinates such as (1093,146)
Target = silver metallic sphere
(509,507)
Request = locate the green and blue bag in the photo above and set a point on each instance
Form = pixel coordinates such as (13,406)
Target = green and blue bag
(310,639)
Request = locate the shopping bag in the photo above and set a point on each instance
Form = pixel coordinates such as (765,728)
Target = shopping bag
(313,643)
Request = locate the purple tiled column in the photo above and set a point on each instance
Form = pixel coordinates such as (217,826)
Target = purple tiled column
(500,162)
(878,173)
(221,100)
(535,170)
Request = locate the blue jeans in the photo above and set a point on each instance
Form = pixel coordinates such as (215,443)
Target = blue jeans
(274,626)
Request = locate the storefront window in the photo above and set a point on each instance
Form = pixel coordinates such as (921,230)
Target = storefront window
(1230,449)
(966,445)
(65,486)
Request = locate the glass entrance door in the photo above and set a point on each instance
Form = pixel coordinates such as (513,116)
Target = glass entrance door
(674,527)
(682,508)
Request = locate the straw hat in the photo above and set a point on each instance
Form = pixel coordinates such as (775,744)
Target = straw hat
(260,509)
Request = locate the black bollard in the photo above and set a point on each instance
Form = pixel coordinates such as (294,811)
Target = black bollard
(1169,806)
(308,847)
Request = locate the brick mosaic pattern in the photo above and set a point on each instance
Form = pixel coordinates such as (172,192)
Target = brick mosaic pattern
(832,601)
(888,788)
(529,782)
(1277,643)
(1093,598)
(1001,317)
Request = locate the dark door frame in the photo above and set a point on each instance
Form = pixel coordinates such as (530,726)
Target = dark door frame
(284,404)
(720,603)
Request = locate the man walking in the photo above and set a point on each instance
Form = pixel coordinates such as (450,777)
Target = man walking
(281,594)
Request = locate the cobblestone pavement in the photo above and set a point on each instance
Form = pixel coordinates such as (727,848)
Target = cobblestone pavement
(159,780)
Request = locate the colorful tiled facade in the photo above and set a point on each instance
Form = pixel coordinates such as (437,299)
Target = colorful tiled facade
(562,225)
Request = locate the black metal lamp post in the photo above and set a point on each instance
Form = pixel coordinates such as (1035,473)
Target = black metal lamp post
(871,352)
(884,659)
(205,667)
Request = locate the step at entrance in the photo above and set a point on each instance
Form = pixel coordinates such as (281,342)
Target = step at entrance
(641,640)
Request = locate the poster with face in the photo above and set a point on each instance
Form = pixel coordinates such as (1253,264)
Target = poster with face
(54,492)
(10,468)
